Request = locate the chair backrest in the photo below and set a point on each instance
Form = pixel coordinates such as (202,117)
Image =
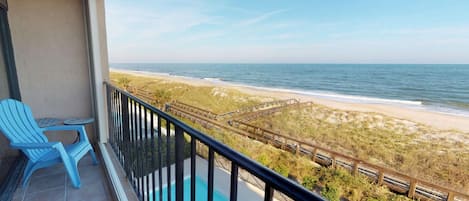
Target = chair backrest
(18,125)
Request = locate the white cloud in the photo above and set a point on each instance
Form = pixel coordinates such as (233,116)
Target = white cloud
(260,18)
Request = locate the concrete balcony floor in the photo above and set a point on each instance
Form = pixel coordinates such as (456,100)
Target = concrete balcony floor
(51,184)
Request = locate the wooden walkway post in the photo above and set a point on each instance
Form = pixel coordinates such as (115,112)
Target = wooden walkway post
(450,196)
(412,186)
(355,168)
(380,177)
(298,147)
(333,161)
(313,157)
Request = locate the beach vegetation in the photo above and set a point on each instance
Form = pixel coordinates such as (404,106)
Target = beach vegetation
(218,100)
(398,144)
(123,82)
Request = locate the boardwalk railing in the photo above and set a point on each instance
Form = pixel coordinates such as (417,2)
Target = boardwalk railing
(145,140)
(261,106)
(194,109)
(267,112)
(413,187)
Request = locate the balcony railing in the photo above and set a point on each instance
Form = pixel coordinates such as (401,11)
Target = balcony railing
(147,142)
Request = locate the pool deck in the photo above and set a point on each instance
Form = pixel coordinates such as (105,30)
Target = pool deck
(52,183)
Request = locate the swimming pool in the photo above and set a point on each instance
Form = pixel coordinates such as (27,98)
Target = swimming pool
(200,191)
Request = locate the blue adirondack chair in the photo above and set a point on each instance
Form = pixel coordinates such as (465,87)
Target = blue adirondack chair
(18,125)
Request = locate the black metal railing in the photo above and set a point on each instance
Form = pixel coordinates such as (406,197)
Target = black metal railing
(151,144)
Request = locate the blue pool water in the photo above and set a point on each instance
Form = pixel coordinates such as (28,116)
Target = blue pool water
(200,194)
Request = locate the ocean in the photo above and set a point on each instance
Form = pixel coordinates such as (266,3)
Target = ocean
(437,87)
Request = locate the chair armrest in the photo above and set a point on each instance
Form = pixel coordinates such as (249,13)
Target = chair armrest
(43,145)
(63,128)
(79,128)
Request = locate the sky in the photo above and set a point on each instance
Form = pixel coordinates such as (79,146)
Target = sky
(293,31)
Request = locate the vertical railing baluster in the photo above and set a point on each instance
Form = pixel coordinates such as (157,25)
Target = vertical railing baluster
(168,158)
(234,182)
(120,125)
(112,138)
(142,150)
(137,149)
(193,163)
(126,132)
(268,192)
(152,131)
(111,120)
(131,140)
(115,115)
(210,173)
(121,128)
(134,146)
(179,172)
(146,167)
(160,160)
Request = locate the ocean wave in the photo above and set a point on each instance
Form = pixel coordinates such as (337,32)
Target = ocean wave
(141,72)
(213,79)
(342,97)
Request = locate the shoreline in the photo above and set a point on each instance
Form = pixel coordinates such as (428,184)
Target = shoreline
(434,119)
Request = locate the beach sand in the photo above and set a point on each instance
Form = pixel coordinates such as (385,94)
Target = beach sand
(433,119)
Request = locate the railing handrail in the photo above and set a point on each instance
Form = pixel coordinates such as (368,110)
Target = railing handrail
(195,107)
(278,182)
(248,109)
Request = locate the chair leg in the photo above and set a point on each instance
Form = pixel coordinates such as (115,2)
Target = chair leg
(72,171)
(93,156)
(28,171)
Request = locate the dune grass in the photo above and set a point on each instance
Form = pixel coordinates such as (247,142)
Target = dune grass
(332,183)
(218,100)
(399,144)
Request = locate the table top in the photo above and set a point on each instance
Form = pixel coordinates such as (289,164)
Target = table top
(78,121)
(47,122)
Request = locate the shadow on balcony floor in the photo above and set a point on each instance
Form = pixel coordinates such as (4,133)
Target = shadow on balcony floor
(51,184)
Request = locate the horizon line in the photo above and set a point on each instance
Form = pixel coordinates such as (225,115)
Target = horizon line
(322,63)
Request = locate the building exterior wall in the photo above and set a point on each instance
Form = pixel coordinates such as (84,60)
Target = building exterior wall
(51,53)
(103,39)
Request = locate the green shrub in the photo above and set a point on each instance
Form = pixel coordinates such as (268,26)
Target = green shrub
(264,159)
(331,192)
(124,82)
(282,169)
(309,182)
